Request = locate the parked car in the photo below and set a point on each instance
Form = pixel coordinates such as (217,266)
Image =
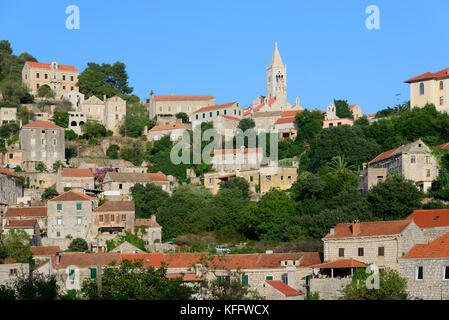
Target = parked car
(221,248)
(171,243)
(183,243)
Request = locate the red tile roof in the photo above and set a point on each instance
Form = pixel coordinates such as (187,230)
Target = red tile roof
(157,177)
(438,248)
(7,172)
(187,277)
(42,124)
(147,259)
(19,224)
(247,112)
(82,259)
(384,155)
(47,66)
(369,229)
(352,106)
(45,250)
(285,120)
(230,118)
(290,113)
(183,260)
(216,107)
(76,172)
(443,146)
(116,206)
(430,218)
(167,127)
(146,222)
(26,212)
(72,196)
(175,97)
(283,288)
(429,75)
(342,263)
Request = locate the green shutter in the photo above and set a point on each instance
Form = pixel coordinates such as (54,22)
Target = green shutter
(72,274)
(78,205)
(59,206)
(269,278)
(245,280)
(93,273)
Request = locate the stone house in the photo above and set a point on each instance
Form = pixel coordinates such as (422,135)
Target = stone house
(433,222)
(212,113)
(357,112)
(74,97)
(116,185)
(74,179)
(149,230)
(227,160)
(76,120)
(42,254)
(414,161)
(380,243)
(175,131)
(173,104)
(10,189)
(8,115)
(265,120)
(226,126)
(110,219)
(70,216)
(126,247)
(30,226)
(41,141)
(25,213)
(12,157)
(286,125)
(10,271)
(430,88)
(331,119)
(93,108)
(57,76)
(426,268)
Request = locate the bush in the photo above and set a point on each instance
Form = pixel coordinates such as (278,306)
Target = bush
(78,245)
(93,142)
(70,135)
(113,152)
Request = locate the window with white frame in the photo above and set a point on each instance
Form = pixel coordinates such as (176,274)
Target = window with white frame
(446,272)
(419,273)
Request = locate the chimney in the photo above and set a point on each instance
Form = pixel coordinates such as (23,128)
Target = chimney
(104,98)
(355,227)
(269,252)
(58,258)
(153,217)
(332,232)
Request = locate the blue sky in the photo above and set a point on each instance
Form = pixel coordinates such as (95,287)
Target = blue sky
(223,47)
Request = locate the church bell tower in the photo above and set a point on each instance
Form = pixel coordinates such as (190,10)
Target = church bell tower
(277,78)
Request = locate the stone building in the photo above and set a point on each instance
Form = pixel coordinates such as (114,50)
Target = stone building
(175,131)
(76,119)
(286,125)
(57,76)
(10,189)
(357,112)
(74,179)
(426,268)
(414,161)
(30,226)
(433,222)
(226,126)
(8,115)
(170,105)
(380,243)
(74,97)
(41,141)
(110,219)
(26,213)
(12,157)
(149,230)
(430,88)
(212,113)
(228,160)
(70,216)
(10,271)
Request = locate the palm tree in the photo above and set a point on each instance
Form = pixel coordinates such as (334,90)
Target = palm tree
(339,165)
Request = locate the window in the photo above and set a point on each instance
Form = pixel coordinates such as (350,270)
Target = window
(37,75)
(427,159)
(63,77)
(441,85)
(78,233)
(123,217)
(420,273)
(12,272)
(421,88)
(218,112)
(267,178)
(224,111)
(235,112)
(269,278)
(204,115)
(285,278)
(71,88)
(93,273)
(71,274)
(112,217)
(244,280)
(441,101)
(428,173)
(341,252)
(59,221)
(360,252)
(169,109)
(37,85)
(71,78)
(79,220)
(210,114)
(46,76)
(446,273)
(211,180)
(412,159)
(251,178)
(196,117)
(289,177)
(101,218)
(59,206)
(63,87)
(120,186)
(58,234)
(282,178)
(381,251)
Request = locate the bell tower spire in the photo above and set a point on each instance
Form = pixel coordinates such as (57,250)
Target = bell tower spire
(277,78)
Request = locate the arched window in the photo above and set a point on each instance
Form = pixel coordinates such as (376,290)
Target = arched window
(73,123)
(421,88)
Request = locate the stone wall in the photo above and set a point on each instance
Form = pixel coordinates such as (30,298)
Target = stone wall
(40,180)
(8,272)
(432,233)
(63,243)
(328,288)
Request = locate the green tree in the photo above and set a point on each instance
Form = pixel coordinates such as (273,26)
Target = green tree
(5,46)
(132,281)
(45,91)
(342,109)
(33,286)
(133,125)
(49,193)
(394,198)
(70,135)
(113,152)
(246,123)
(391,286)
(147,199)
(182,115)
(16,245)
(40,167)
(78,245)
(133,152)
(93,129)
(237,183)
(61,119)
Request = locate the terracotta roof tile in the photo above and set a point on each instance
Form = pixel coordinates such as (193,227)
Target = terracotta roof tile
(147,259)
(283,288)
(128,177)
(7,172)
(384,155)
(216,107)
(76,172)
(291,113)
(342,263)
(45,250)
(157,177)
(230,118)
(82,259)
(285,120)
(167,127)
(146,222)
(42,124)
(72,196)
(438,248)
(183,260)
(443,146)
(26,212)
(429,75)
(430,218)
(47,66)
(19,224)
(113,206)
(369,229)
(187,277)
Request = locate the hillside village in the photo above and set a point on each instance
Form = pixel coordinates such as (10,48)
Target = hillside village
(86,179)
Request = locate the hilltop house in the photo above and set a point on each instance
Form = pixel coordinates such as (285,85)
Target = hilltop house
(74,179)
